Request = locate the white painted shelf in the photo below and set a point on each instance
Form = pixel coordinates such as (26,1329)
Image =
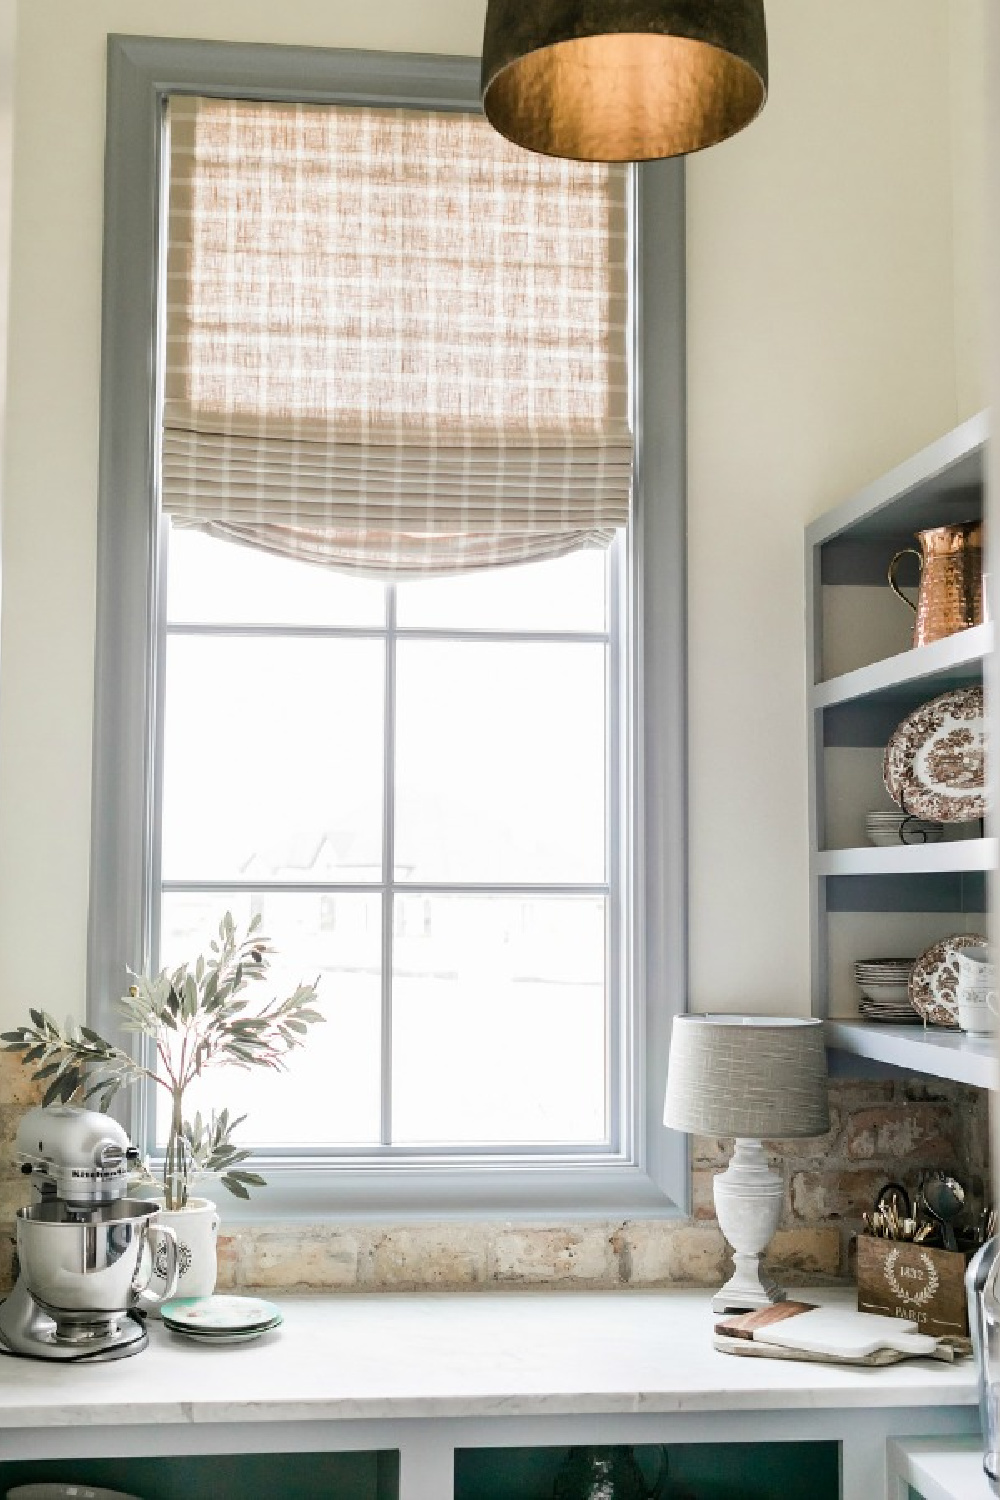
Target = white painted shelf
(953,662)
(927,489)
(933,1050)
(910,859)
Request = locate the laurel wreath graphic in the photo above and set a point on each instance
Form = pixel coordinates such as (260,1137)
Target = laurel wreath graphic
(184,1259)
(912,1299)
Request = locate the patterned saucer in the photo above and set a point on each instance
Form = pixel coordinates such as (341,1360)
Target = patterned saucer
(934,981)
(935,762)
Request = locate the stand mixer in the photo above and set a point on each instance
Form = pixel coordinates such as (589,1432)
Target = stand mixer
(81,1242)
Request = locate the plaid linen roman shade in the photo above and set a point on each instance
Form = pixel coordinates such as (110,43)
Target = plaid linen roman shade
(394,342)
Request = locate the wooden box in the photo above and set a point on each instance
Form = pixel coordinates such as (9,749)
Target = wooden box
(912,1281)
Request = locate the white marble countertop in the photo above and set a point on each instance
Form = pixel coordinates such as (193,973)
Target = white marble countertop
(390,1356)
(941,1468)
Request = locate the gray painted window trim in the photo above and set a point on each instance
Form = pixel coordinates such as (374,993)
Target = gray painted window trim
(651,1177)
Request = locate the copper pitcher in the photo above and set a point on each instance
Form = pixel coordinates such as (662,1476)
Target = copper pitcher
(951,580)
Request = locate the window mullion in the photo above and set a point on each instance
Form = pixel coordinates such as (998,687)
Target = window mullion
(388,865)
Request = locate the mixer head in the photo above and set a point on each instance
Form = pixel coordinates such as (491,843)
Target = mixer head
(77,1155)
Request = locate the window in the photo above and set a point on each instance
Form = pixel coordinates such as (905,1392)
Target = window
(413,795)
(494,1039)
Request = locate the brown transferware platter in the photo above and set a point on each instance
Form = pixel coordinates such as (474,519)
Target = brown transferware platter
(934,981)
(935,762)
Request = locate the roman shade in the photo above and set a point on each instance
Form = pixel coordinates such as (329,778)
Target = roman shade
(394,342)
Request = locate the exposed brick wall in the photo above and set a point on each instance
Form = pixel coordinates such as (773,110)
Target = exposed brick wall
(879,1131)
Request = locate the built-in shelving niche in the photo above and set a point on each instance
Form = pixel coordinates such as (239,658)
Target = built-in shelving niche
(865,677)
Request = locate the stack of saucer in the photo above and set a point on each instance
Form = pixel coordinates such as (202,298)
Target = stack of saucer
(220,1319)
(887,829)
(885,990)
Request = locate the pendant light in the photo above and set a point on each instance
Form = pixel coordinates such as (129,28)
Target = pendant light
(623,80)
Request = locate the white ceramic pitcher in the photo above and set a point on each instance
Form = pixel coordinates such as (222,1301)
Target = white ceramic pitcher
(196,1227)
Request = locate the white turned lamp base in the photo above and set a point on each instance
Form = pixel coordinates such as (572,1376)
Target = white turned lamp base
(748,1200)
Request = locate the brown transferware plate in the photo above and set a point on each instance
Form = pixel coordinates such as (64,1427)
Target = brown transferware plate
(935,762)
(934,981)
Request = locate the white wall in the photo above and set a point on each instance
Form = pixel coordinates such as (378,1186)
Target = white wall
(826,342)
(969,136)
(823,337)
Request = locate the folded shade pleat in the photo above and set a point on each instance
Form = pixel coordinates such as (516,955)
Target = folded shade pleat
(394,343)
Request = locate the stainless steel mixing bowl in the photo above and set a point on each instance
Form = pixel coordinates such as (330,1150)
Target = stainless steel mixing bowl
(90,1266)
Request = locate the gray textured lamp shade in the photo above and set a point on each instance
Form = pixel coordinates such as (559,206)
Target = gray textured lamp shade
(747,1076)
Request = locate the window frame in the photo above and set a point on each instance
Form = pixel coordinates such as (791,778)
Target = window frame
(649,1175)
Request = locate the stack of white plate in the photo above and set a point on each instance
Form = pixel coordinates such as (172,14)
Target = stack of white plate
(220,1319)
(888,829)
(885,990)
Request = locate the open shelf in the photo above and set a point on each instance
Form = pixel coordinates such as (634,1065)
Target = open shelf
(941,484)
(956,661)
(958,856)
(933,1050)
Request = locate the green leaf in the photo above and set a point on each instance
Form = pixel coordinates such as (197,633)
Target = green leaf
(70,1082)
(53,1092)
(236,1188)
(252,1179)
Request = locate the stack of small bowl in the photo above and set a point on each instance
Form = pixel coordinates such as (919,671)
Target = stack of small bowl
(887,829)
(885,990)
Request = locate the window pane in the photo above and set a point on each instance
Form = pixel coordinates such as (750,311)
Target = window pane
(499,1020)
(221,583)
(273,759)
(567,593)
(500,762)
(330,1092)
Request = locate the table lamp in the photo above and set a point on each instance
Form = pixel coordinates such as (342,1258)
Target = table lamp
(752,1077)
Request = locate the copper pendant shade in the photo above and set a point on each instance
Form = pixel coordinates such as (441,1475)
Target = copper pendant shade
(623,80)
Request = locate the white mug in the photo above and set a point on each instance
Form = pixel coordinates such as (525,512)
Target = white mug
(977,1009)
(976,971)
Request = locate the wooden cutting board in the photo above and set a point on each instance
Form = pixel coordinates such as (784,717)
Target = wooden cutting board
(752,1333)
(744,1325)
